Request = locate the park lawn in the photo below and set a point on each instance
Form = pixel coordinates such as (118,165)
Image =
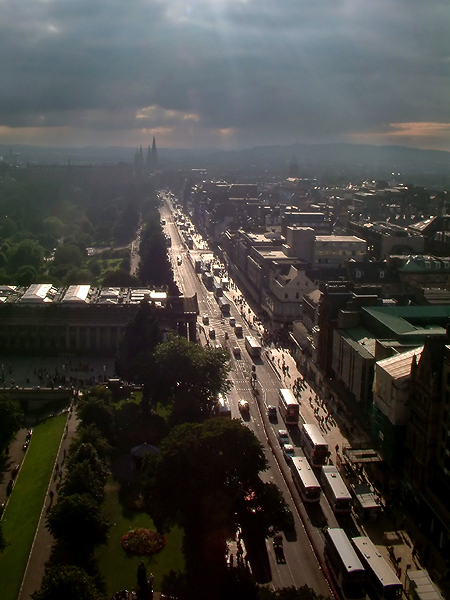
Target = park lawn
(117,567)
(22,513)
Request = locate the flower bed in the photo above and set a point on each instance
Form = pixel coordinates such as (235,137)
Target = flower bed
(143,541)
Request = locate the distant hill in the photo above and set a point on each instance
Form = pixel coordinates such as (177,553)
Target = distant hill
(347,160)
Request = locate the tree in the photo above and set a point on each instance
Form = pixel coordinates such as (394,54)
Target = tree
(25,253)
(97,411)
(2,539)
(216,456)
(68,254)
(134,359)
(68,583)
(86,473)
(77,522)
(90,434)
(11,419)
(189,377)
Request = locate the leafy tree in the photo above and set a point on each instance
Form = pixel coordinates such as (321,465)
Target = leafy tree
(84,478)
(189,377)
(76,276)
(98,412)
(68,254)
(2,539)
(119,278)
(90,435)
(68,583)
(26,253)
(215,456)
(26,275)
(11,419)
(134,360)
(78,523)
(53,226)
(262,510)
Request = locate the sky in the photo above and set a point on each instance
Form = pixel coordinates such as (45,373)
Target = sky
(224,73)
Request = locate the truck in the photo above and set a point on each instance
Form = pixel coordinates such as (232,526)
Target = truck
(238,330)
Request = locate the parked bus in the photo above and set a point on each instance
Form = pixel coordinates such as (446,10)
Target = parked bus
(305,480)
(288,406)
(222,407)
(381,579)
(344,564)
(224,306)
(253,346)
(313,444)
(335,490)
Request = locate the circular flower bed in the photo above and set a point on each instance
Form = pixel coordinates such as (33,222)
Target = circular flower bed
(143,541)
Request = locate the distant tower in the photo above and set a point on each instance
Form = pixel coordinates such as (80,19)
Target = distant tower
(294,169)
(152,156)
(138,162)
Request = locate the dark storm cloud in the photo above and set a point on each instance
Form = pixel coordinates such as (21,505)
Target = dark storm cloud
(294,68)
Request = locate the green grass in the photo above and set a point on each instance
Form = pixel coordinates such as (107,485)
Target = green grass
(24,507)
(119,568)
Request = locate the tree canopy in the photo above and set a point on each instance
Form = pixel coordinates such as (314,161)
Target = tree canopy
(68,582)
(216,456)
(10,421)
(189,377)
(78,523)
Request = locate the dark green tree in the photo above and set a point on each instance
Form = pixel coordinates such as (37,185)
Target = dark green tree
(98,412)
(217,456)
(26,253)
(90,434)
(189,377)
(68,583)
(77,522)
(2,539)
(11,419)
(134,360)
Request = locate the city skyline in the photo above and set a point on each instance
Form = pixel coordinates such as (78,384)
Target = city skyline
(225,73)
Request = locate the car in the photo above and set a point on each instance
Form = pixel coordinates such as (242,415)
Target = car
(278,549)
(283,437)
(272,411)
(288,451)
(232,321)
(205,320)
(236,351)
(244,406)
(179,261)
(212,333)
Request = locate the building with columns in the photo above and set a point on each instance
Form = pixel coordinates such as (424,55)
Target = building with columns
(83,320)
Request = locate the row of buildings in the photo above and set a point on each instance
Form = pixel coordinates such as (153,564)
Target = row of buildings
(359,280)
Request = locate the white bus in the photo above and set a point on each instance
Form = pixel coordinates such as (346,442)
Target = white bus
(305,480)
(314,445)
(222,407)
(288,406)
(253,346)
(381,579)
(335,490)
(344,564)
